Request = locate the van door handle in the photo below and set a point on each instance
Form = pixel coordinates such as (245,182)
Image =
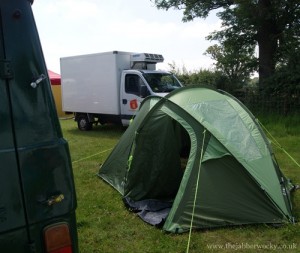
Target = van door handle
(124,101)
(35,83)
(54,200)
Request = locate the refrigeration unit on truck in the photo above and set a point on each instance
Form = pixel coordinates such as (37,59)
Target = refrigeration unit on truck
(109,87)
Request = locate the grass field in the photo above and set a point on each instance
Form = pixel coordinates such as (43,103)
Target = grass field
(105,225)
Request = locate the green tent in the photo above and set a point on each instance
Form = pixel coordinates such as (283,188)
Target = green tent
(198,154)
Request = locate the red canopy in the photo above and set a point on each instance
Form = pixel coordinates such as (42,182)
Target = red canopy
(54,78)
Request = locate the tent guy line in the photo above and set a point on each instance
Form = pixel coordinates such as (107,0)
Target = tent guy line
(87,157)
(196,192)
(277,144)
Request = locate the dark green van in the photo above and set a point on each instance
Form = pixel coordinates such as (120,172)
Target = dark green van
(37,193)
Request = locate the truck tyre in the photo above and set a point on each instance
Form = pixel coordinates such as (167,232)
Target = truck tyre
(83,123)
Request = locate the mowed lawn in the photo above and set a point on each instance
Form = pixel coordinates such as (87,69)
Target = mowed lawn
(105,225)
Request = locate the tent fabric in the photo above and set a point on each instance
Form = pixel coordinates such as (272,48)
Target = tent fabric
(159,158)
(151,211)
(55,78)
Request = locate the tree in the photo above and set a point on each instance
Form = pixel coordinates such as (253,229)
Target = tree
(269,23)
(213,78)
(234,61)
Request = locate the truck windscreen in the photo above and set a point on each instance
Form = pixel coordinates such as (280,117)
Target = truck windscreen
(162,82)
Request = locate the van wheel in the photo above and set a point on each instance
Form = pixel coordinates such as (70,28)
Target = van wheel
(83,123)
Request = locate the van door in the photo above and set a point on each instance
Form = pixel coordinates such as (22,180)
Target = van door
(133,91)
(12,215)
(36,180)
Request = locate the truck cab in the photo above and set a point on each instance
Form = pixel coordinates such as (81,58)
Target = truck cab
(138,84)
(37,192)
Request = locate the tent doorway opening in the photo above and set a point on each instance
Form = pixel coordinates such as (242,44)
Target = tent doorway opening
(185,147)
(163,168)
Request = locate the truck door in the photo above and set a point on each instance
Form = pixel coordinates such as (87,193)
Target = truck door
(36,180)
(133,92)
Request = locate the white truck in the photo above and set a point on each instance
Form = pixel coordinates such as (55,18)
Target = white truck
(109,87)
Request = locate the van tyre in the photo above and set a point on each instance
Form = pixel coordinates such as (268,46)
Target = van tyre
(83,123)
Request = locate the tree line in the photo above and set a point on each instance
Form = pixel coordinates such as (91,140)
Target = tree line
(269,28)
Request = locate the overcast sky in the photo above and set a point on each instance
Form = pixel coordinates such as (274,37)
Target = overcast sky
(74,27)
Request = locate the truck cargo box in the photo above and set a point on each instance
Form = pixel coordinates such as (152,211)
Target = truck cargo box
(85,89)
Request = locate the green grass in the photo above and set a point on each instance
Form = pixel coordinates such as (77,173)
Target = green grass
(105,225)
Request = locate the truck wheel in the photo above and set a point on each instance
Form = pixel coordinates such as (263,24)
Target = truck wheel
(83,123)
